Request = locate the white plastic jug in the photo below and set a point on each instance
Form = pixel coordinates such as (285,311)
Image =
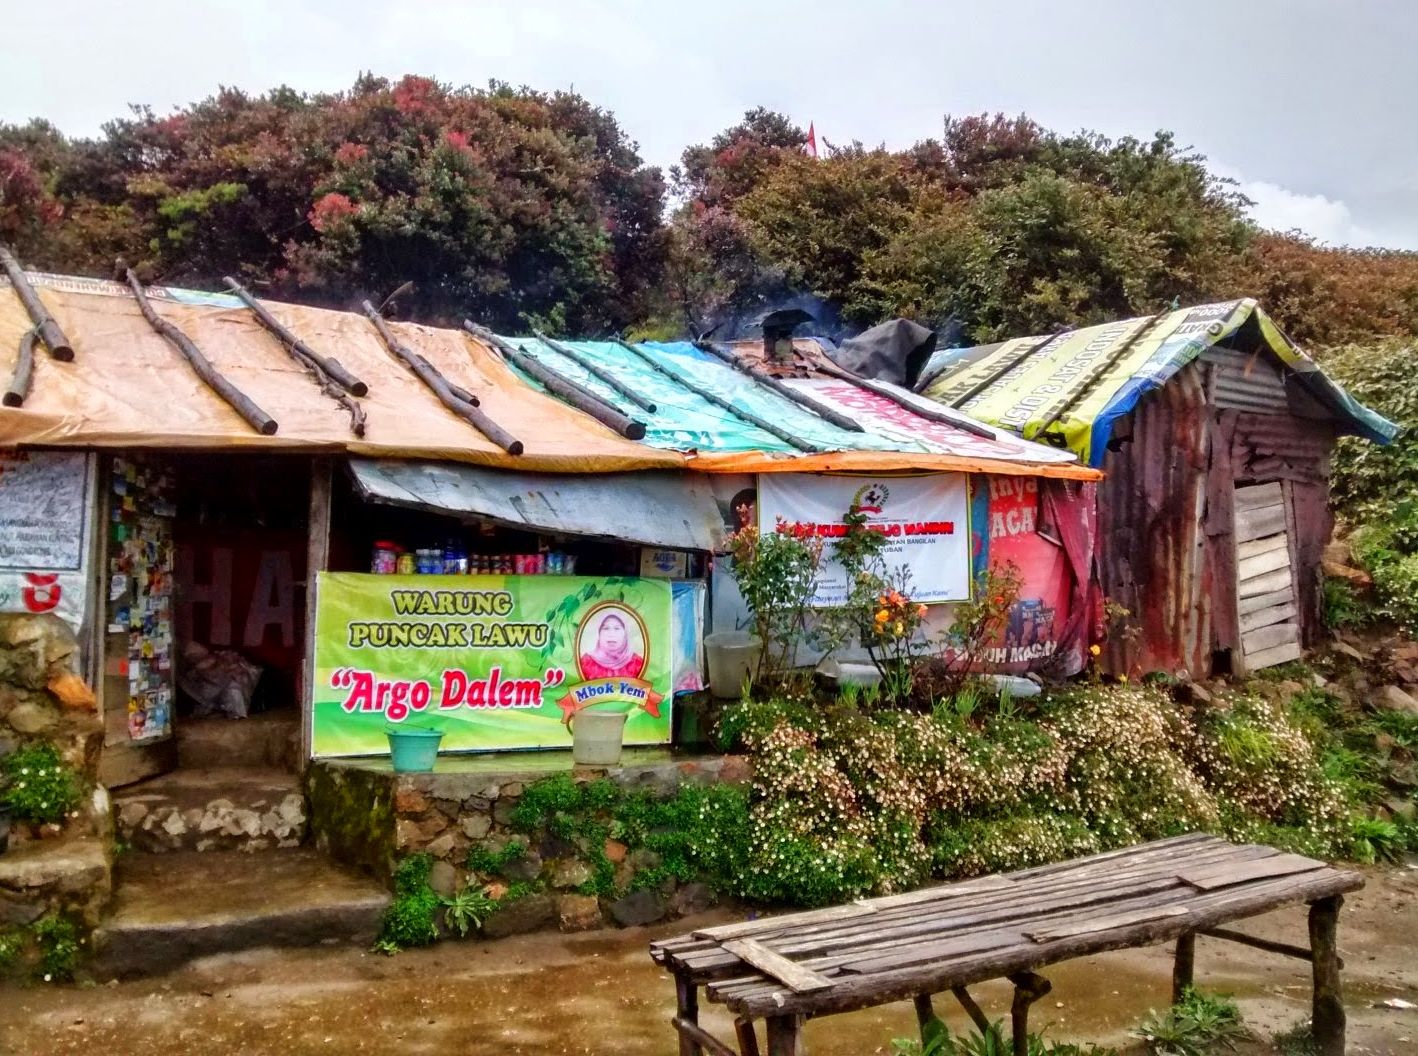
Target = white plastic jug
(732,657)
(597,736)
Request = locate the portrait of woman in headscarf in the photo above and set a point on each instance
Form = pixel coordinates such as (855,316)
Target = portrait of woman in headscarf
(613,654)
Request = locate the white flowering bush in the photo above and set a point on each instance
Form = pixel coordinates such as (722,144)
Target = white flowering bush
(847,803)
(36,786)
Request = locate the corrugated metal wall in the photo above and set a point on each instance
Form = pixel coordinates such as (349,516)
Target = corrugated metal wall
(1166,545)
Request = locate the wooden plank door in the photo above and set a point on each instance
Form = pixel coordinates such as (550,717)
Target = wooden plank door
(1266,600)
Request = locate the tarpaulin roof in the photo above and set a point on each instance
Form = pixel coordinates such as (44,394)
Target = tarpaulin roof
(718,440)
(127,387)
(654,508)
(1069,389)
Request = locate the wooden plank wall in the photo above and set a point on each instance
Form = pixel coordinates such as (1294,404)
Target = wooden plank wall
(1265,585)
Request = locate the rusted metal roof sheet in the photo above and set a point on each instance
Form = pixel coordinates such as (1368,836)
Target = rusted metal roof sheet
(669,509)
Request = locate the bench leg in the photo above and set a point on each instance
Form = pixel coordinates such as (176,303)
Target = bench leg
(1183,965)
(785,1036)
(687,1002)
(974,1011)
(1327,1017)
(748,1040)
(1028,988)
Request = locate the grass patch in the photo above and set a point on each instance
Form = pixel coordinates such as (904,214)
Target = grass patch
(1197,1025)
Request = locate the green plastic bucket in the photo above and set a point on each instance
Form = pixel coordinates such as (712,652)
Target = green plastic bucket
(412,749)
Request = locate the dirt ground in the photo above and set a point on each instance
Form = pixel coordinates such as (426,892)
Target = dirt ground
(600,995)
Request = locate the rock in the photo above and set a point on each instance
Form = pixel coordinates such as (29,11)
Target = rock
(407,835)
(552,846)
(615,850)
(638,908)
(476,826)
(502,811)
(1403,809)
(442,847)
(477,805)
(525,914)
(30,718)
(526,867)
(643,858)
(511,791)
(1338,551)
(578,913)
(570,873)
(1355,577)
(443,878)
(432,825)
(1345,649)
(410,801)
(72,692)
(1391,698)
(1289,688)
(1191,693)
(174,826)
(131,814)
(693,898)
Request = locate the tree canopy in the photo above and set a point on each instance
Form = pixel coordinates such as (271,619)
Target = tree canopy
(521,208)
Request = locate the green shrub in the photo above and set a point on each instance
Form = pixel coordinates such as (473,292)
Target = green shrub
(1197,1025)
(59,946)
(1341,606)
(1367,476)
(412,917)
(37,786)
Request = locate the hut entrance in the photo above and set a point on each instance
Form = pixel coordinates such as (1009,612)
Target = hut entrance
(1267,603)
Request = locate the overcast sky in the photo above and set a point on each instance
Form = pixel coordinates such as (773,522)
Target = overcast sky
(1311,105)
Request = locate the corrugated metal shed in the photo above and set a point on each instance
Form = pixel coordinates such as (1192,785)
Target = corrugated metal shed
(669,509)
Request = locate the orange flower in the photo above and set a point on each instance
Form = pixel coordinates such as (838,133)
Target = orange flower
(882,616)
(921,611)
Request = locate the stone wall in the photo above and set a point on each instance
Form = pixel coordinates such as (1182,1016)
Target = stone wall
(365,815)
(60,870)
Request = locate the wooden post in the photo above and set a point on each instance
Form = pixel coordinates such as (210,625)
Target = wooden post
(1028,988)
(23,376)
(317,557)
(1183,965)
(687,1009)
(49,331)
(785,1036)
(973,1010)
(1327,1017)
(748,1040)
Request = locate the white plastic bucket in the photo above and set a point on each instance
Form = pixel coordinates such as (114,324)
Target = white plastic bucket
(597,736)
(732,656)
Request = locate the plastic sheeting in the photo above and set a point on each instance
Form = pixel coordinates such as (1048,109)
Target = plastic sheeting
(1069,390)
(127,387)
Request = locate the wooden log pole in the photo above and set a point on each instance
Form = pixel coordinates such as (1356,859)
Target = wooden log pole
(1028,988)
(583,399)
(1183,965)
(1327,1016)
(785,1035)
(1285,949)
(22,378)
(955,419)
(49,331)
(718,401)
(596,371)
(440,387)
(242,404)
(697,1035)
(687,1012)
(297,348)
(768,381)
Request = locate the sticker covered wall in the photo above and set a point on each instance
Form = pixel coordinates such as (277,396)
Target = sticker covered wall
(495,662)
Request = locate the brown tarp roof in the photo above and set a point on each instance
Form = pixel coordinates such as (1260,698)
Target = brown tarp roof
(127,387)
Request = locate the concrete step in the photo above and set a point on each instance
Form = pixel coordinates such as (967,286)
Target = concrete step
(268,740)
(243,809)
(173,908)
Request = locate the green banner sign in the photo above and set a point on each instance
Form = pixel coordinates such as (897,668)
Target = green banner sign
(495,662)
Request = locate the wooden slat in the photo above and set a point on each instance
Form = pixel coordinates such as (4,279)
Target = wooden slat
(1256,602)
(1264,520)
(1208,879)
(1108,923)
(1263,545)
(1255,496)
(1252,567)
(799,979)
(1265,617)
(1280,654)
(1264,638)
(1267,584)
(974,942)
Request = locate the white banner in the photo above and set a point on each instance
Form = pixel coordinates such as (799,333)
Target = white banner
(925,520)
(44,532)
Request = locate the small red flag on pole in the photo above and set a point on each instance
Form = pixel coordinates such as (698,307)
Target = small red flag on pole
(811,139)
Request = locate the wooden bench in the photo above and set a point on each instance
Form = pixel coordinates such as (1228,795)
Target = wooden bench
(786,969)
